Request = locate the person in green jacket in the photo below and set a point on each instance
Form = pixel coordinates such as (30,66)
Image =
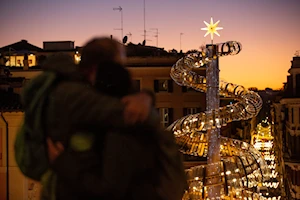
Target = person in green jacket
(60,102)
(121,163)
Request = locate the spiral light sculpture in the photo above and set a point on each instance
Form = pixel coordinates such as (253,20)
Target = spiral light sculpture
(248,105)
(241,170)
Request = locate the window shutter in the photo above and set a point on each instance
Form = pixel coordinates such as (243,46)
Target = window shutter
(184,111)
(170,115)
(156,86)
(298,85)
(198,109)
(170,86)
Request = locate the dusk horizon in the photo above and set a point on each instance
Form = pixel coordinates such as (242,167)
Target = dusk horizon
(267,30)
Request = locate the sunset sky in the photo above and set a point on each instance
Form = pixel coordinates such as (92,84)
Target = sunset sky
(269,30)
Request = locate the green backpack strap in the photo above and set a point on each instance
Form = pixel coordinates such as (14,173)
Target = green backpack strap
(30,145)
(48,182)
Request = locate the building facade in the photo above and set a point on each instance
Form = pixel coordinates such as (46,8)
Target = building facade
(150,72)
(286,114)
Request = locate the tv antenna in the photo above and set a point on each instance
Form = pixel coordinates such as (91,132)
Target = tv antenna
(130,35)
(144,20)
(156,35)
(121,11)
(180,40)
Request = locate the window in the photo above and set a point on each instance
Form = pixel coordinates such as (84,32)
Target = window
(163,85)
(1,164)
(297,85)
(292,115)
(299,115)
(188,111)
(166,116)
(286,113)
(137,85)
(19,62)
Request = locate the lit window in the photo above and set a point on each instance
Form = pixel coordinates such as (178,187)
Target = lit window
(166,115)
(77,58)
(163,85)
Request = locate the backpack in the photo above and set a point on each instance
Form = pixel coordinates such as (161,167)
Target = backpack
(30,144)
(172,181)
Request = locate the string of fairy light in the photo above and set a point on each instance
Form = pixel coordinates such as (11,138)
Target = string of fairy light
(263,141)
(242,169)
(248,105)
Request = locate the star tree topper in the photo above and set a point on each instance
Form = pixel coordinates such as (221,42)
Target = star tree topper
(212,28)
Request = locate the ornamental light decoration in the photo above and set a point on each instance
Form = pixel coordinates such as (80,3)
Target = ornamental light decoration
(238,169)
(212,28)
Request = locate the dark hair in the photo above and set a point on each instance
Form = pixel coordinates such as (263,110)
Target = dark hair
(114,79)
(98,51)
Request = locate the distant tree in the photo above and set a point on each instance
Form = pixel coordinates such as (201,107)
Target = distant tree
(174,51)
(255,89)
(192,51)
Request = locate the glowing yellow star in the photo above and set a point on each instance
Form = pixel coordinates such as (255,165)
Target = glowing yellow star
(212,28)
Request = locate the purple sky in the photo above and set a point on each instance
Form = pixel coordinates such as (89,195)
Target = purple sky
(269,30)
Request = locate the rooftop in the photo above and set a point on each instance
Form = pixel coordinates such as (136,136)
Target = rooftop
(21,47)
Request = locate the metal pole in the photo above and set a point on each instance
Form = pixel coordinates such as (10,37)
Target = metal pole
(145,20)
(212,104)
(7,157)
(121,23)
(130,35)
(121,10)
(156,35)
(180,41)
(9,57)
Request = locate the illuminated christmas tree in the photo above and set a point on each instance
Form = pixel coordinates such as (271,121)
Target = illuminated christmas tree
(235,169)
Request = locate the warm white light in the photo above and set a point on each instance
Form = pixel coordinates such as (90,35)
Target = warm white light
(212,28)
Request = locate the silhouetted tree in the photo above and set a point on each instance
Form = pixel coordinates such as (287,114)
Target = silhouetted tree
(253,89)
(192,51)
(174,51)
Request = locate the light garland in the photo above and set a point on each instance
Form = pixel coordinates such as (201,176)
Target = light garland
(242,169)
(248,105)
(263,141)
